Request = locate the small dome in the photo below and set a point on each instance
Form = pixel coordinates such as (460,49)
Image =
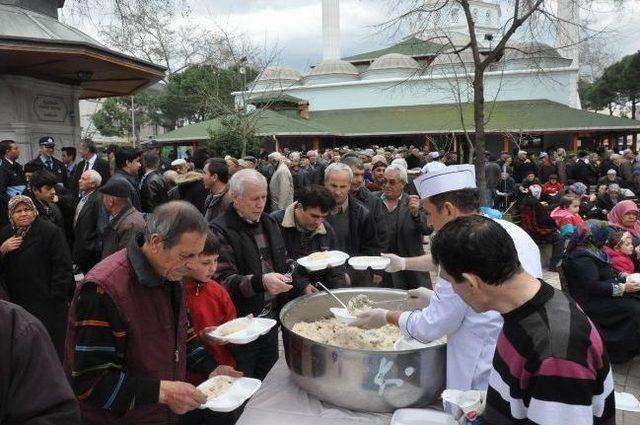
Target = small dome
(529,50)
(278,73)
(394,61)
(448,59)
(334,66)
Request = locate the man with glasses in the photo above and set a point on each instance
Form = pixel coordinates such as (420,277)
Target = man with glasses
(48,161)
(405,227)
(450,193)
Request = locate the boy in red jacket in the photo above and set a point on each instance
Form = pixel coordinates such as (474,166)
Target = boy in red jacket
(209,306)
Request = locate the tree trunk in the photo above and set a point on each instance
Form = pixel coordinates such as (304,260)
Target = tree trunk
(478,118)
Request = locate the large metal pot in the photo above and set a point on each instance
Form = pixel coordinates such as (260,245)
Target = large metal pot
(372,381)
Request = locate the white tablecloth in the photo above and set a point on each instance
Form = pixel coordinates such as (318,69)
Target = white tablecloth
(281,402)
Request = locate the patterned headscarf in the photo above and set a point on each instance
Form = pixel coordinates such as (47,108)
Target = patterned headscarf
(13,205)
(589,238)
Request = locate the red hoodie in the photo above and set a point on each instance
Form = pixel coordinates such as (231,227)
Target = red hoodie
(209,304)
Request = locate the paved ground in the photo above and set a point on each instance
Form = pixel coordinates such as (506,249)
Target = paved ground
(626,376)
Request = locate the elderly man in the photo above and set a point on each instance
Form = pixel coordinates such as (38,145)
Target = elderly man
(281,184)
(610,178)
(406,226)
(216,181)
(125,222)
(86,227)
(252,266)
(90,161)
(435,163)
(370,199)
(305,231)
(451,193)
(128,346)
(351,220)
(153,187)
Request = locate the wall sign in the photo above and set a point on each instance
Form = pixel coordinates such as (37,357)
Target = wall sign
(50,108)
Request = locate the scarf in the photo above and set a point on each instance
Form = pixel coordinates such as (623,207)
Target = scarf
(618,211)
(13,205)
(589,238)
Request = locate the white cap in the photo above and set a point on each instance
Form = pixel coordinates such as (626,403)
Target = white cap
(434,155)
(448,179)
(178,162)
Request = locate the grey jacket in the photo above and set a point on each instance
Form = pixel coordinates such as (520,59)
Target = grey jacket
(123,228)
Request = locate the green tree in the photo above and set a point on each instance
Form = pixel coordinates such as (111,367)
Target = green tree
(114,116)
(235,136)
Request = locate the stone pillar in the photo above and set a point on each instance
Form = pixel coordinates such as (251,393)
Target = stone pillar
(32,108)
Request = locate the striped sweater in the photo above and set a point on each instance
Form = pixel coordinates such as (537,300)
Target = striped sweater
(550,366)
(98,376)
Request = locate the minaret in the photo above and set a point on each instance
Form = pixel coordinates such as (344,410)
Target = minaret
(568,30)
(331,29)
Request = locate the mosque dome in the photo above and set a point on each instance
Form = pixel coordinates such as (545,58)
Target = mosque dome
(394,61)
(529,55)
(280,76)
(529,50)
(334,66)
(457,63)
(392,65)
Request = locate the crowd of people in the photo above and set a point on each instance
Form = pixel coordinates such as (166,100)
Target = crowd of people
(120,252)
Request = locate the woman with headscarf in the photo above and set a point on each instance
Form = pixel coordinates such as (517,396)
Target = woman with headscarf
(35,265)
(611,300)
(624,216)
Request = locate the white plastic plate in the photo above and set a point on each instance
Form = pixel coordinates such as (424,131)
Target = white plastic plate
(343,315)
(363,263)
(421,417)
(252,329)
(626,401)
(404,343)
(332,259)
(239,392)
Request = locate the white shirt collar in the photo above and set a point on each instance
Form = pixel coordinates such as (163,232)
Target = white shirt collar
(92,160)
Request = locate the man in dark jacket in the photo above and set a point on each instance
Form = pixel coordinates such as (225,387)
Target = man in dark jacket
(582,171)
(523,166)
(86,222)
(125,222)
(90,161)
(305,231)
(406,226)
(43,192)
(252,266)
(351,220)
(128,344)
(153,188)
(127,167)
(215,180)
(12,181)
(33,388)
(190,188)
(48,161)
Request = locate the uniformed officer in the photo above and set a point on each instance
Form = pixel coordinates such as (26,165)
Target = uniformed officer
(46,158)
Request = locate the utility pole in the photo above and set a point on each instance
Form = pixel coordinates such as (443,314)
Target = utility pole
(133,124)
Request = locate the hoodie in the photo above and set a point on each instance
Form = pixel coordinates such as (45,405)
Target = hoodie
(566,222)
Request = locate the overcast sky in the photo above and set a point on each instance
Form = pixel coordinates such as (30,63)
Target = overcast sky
(294,28)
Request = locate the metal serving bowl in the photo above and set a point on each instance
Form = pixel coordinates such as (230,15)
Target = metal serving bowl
(371,381)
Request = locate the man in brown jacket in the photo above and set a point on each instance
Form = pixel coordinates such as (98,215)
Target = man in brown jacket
(125,222)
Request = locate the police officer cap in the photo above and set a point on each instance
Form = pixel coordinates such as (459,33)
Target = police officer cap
(47,141)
